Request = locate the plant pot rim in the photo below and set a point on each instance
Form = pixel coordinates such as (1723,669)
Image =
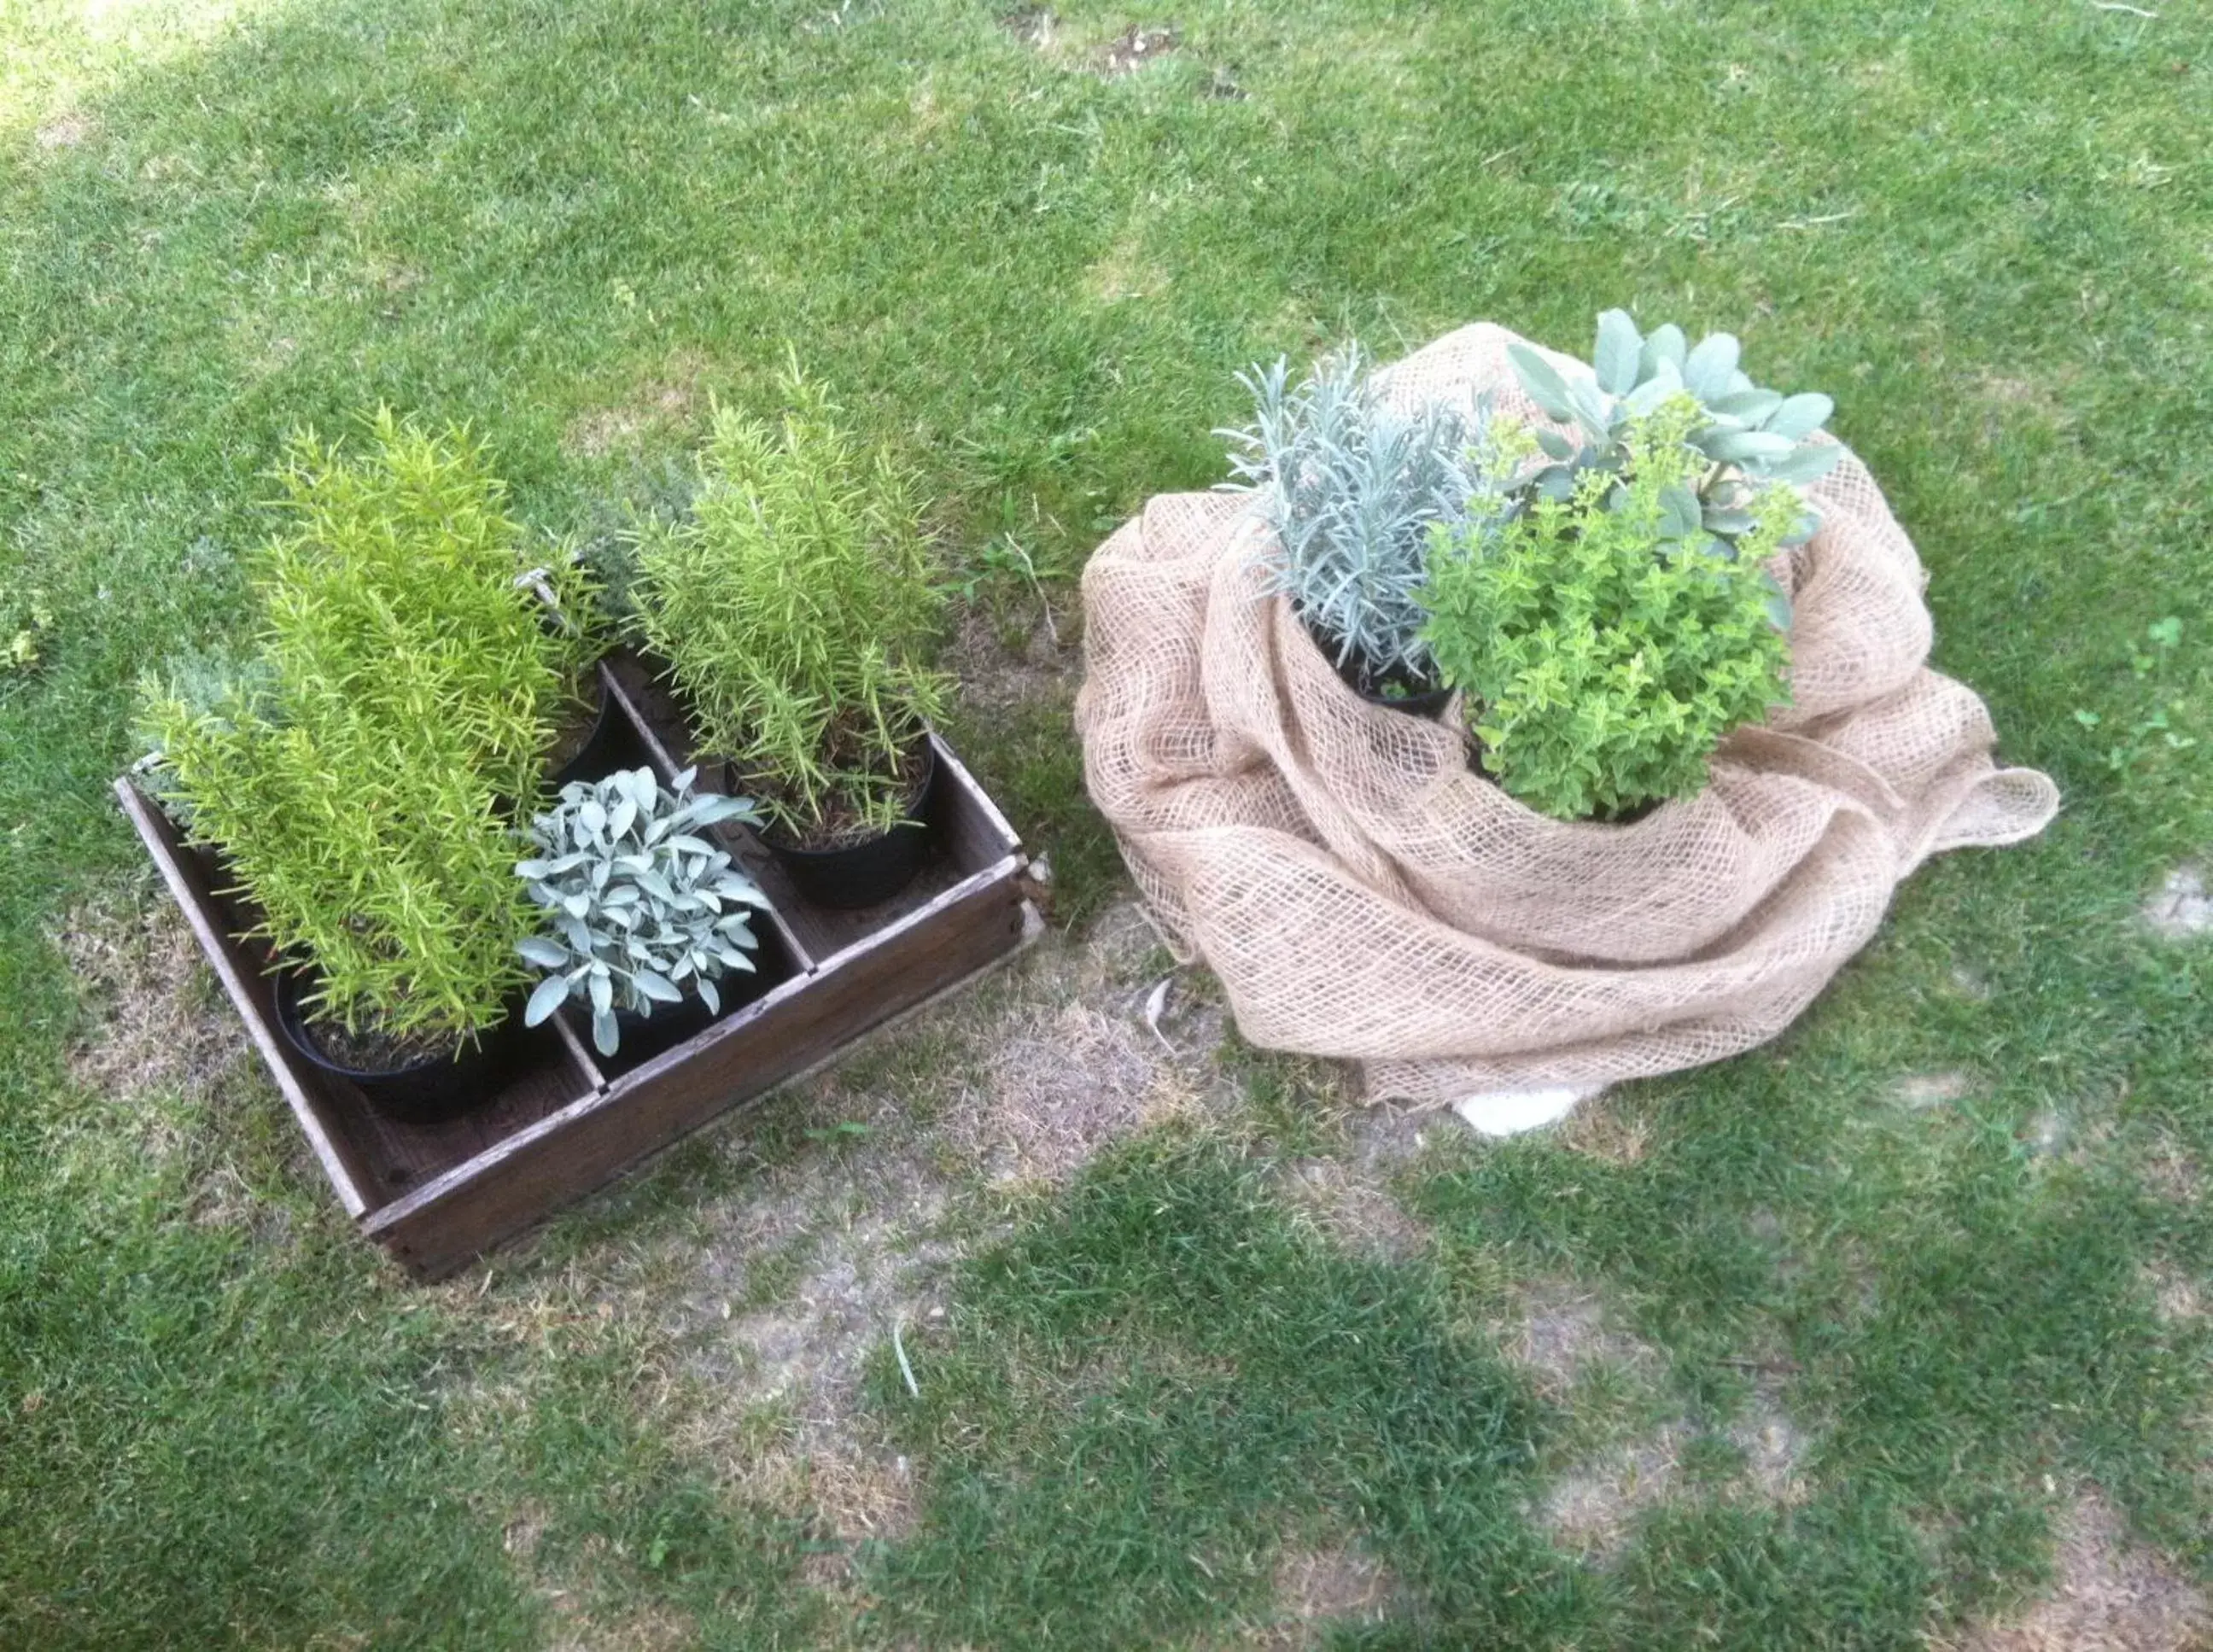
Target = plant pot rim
(786,848)
(289,981)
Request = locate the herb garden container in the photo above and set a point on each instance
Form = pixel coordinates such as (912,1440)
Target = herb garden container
(552,1121)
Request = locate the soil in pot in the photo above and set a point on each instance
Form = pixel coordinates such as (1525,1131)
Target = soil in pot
(416,1080)
(844,864)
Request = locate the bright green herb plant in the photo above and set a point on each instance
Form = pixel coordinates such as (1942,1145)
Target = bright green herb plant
(1606,641)
(794,608)
(361,774)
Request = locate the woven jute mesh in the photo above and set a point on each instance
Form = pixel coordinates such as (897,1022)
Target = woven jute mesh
(1362,894)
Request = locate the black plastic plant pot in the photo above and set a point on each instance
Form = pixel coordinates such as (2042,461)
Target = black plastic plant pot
(601,753)
(1427,703)
(424,1091)
(1394,691)
(870,871)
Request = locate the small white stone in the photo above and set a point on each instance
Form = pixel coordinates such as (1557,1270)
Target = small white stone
(1509,1112)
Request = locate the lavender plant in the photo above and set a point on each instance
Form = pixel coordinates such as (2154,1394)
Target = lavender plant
(1351,487)
(636,902)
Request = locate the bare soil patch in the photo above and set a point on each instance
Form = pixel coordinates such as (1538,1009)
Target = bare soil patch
(999,667)
(2181,910)
(157,1019)
(2110,1596)
(1135,47)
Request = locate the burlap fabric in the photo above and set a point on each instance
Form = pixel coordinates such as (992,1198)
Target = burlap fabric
(1362,894)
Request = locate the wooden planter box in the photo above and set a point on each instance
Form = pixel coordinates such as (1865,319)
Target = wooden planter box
(436,1196)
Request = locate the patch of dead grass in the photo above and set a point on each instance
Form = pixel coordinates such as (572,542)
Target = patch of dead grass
(1774,1446)
(2110,1596)
(2181,910)
(773,1299)
(65,131)
(1353,1209)
(1319,1589)
(1591,1509)
(1600,1129)
(1562,1332)
(158,1020)
(663,404)
(1921,1091)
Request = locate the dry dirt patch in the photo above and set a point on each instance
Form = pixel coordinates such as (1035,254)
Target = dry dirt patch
(2110,1596)
(775,1297)
(159,1020)
(2181,909)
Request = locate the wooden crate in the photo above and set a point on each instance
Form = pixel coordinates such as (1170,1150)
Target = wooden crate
(438,1195)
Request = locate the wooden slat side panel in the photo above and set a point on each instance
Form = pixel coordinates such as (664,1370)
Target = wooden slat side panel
(994,834)
(444,1225)
(248,992)
(1004,876)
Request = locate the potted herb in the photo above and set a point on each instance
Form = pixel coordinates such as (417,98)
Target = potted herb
(640,911)
(358,777)
(1350,487)
(793,610)
(1615,614)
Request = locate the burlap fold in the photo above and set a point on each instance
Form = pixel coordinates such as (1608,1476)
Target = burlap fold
(1362,894)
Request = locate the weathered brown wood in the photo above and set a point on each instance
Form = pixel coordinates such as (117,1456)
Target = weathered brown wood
(248,992)
(370,1157)
(444,1225)
(438,1195)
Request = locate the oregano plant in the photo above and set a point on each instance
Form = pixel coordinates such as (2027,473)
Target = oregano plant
(1606,641)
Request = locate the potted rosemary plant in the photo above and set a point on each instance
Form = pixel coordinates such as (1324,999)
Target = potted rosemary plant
(358,777)
(792,611)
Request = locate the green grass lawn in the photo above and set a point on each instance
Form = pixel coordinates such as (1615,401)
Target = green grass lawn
(1896,1298)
